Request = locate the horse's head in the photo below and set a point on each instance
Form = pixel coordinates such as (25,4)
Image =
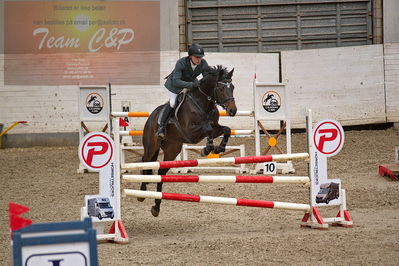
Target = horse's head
(224,89)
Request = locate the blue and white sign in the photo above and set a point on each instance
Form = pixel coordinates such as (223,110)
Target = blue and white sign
(56,244)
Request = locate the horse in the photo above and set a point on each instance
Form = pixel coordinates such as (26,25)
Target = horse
(195,118)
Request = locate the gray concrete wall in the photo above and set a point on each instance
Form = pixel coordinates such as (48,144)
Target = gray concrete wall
(391,21)
(42,140)
(345,84)
(169,25)
(391,63)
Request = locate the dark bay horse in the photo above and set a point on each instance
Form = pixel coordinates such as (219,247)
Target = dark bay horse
(195,119)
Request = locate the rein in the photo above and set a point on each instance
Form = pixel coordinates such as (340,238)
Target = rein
(209,98)
(214,98)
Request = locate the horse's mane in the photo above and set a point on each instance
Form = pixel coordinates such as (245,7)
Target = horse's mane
(214,71)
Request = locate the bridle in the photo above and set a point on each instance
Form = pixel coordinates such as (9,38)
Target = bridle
(222,103)
(214,98)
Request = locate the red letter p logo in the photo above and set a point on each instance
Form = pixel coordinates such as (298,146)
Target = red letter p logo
(91,152)
(96,150)
(328,137)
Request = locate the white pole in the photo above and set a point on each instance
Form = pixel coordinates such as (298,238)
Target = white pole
(256,127)
(215,179)
(117,174)
(311,164)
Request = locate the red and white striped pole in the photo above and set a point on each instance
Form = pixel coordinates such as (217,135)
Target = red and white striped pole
(216,161)
(217,179)
(217,200)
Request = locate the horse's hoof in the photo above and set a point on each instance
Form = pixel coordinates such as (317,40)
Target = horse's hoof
(205,152)
(154,211)
(141,199)
(219,150)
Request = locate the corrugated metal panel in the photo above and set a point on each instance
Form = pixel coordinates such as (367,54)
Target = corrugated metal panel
(267,25)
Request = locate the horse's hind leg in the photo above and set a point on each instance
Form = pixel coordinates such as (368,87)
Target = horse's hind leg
(143,185)
(151,150)
(157,207)
(171,150)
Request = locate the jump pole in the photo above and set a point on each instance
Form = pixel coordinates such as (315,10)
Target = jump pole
(312,217)
(218,200)
(147,114)
(234,132)
(217,179)
(215,161)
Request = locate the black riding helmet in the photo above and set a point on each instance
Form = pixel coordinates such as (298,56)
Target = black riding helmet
(196,50)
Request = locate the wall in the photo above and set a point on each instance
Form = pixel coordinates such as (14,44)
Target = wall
(272,26)
(391,21)
(378,26)
(391,51)
(169,25)
(346,84)
(182,26)
(54,109)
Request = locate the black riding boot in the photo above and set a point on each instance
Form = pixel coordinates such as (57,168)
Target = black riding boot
(163,120)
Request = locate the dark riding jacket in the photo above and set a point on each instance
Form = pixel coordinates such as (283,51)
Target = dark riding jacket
(183,75)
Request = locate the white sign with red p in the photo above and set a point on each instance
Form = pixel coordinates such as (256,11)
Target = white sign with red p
(96,150)
(328,140)
(328,137)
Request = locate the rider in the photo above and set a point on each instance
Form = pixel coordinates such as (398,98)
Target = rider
(184,75)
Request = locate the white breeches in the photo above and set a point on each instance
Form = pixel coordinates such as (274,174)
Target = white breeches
(172,99)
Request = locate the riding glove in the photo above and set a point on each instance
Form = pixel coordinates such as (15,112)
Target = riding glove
(195,84)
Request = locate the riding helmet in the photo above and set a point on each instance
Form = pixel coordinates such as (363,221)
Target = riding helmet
(196,50)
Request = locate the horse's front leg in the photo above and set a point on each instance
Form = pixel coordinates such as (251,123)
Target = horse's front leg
(226,131)
(209,147)
(209,144)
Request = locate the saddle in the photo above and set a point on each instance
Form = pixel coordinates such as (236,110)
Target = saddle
(179,101)
(181,97)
